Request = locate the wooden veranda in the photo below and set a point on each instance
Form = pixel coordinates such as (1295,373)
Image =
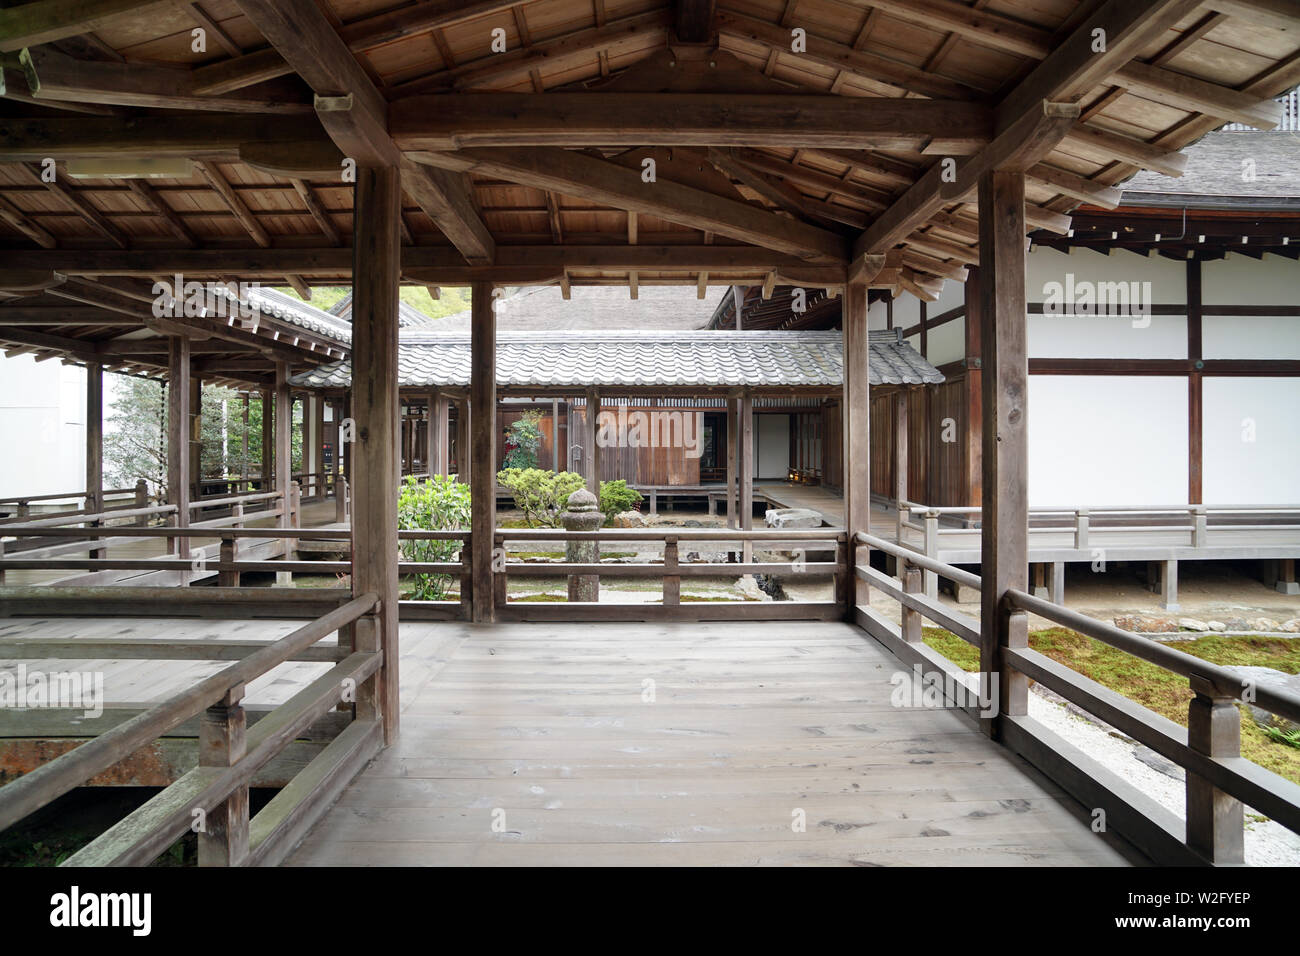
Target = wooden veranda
(883,144)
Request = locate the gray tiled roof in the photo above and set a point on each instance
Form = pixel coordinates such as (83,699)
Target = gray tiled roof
(288,309)
(641,359)
(602,308)
(408,316)
(1215,167)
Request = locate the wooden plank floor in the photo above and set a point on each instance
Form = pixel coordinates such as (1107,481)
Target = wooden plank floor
(532,744)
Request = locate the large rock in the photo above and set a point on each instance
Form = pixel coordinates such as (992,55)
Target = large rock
(1292,626)
(1266,624)
(1268,677)
(1192,624)
(1146,625)
(629,519)
(792,518)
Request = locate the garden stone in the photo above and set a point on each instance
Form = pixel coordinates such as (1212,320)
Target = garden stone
(1237,624)
(748,587)
(1192,624)
(1265,624)
(792,518)
(582,514)
(629,519)
(1217,625)
(1292,626)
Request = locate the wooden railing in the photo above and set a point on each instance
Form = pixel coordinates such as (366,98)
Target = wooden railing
(21,506)
(229,752)
(671,570)
(1218,779)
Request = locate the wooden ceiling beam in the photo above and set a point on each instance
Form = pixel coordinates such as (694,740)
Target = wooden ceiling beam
(358,36)
(97,220)
(236,205)
(448,199)
(1103,146)
(453,121)
(19,220)
(149,196)
(350,107)
(577,174)
(318,212)
(47,316)
(1019,147)
(901,76)
(693,20)
(55,76)
(1277,14)
(1074,67)
(555,53)
(45,21)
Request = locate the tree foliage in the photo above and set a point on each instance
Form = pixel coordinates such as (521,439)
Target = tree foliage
(523,439)
(540,494)
(616,496)
(438,504)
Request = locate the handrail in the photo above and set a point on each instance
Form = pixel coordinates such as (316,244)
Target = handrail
(1281,702)
(1113,509)
(681,534)
(918,559)
(22,499)
(72,769)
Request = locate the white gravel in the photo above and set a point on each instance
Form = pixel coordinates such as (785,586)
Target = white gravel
(1267,843)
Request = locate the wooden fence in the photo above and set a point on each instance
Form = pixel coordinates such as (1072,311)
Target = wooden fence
(1219,780)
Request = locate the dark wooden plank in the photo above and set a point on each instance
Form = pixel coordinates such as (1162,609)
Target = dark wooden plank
(482,448)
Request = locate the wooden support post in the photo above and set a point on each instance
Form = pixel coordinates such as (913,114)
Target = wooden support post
(436,426)
(178,455)
(911,621)
(733,439)
(1038,571)
(747,471)
(1081,529)
(591,443)
(1004,534)
(466,579)
(268,440)
(483,448)
(900,457)
(195,437)
(95,445)
(283,461)
(974,393)
(374,403)
(142,501)
(243,443)
(341,511)
(672,582)
(223,840)
(364,634)
(1169,585)
(1286,581)
(227,579)
(318,445)
(931,551)
(856,421)
(1058,583)
(1215,820)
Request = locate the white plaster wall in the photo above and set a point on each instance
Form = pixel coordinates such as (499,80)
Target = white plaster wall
(877,315)
(907,311)
(1107,440)
(953,295)
(1251,440)
(42,427)
(947,342)
(771,446)
(1241,280)
(1168,277)
(1066,336)
(1250,336)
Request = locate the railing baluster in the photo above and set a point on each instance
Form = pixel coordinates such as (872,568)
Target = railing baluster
(1081,529)
(931,551)
(223,838)
(1215,820)
(672,582)
(228,578)
(911,623)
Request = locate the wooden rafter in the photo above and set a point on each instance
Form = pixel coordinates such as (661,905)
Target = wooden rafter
(447,198)
(613,185)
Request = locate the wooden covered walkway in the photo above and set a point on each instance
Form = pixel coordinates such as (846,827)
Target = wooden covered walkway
(535,744)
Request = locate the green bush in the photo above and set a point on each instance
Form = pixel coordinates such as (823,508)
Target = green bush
(540,494)
(616,496)
(440,504)
(523,439)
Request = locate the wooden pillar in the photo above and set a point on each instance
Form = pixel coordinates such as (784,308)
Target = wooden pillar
(900,456)
(283,459)
(974,394)
(591,443)
(555,435)
(436,440)
(738,298)
(195,436)
(243,446)
(268,439)
(733,439)
(178,453)
(1195,401)
(747,471)
(1004,536)
(1215,820)
(376,267)
(856,422)
(318,445)
(95,443)
(483,449)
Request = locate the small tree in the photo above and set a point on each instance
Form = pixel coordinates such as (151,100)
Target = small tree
(523,438)
(541,495)
(135,439)
(616,496)
(439,504)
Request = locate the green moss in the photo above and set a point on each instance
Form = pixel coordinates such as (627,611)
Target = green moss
(1154,687)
